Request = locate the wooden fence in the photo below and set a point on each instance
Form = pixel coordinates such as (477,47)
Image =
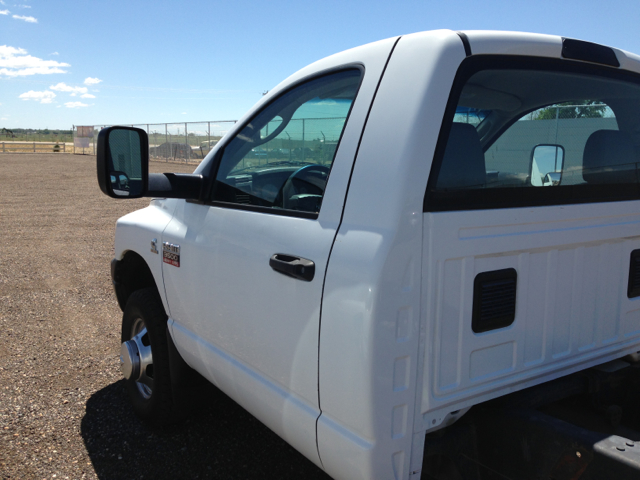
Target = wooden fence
(34,147)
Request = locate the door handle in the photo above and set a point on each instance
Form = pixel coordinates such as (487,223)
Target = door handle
(293,266)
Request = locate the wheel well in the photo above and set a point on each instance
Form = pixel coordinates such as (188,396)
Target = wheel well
(131,273)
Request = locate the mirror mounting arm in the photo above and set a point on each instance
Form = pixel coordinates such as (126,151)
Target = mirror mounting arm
(175,185)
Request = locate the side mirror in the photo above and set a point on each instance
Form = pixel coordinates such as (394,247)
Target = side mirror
(546,160)
(552,179)
(123,169)
(123,162)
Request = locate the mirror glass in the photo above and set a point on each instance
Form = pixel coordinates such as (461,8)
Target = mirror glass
(546,165)
(125,162)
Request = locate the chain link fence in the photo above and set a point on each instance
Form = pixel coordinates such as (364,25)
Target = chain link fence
(309,139)
(179,142)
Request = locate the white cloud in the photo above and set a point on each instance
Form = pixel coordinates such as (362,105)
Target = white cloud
(75,105)
(63,87)
(14,62)
(42,97)
(23,6)
(91,81)
(184,113)
(26,19)
(4,12)
(87,95)
(55,53)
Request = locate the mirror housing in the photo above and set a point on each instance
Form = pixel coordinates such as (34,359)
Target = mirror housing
(123,168)
(123,162)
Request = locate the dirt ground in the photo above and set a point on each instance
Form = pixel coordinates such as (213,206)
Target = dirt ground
(63,409)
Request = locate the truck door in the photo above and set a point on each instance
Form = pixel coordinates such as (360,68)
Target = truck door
(531,226)
(245,299)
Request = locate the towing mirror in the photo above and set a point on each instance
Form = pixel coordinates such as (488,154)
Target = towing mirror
(123,168)
(123,162)
(546,165)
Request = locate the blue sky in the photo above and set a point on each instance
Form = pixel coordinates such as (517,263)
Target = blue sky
(65,63)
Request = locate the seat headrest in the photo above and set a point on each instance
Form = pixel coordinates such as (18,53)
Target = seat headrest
(463,163)
(609,157)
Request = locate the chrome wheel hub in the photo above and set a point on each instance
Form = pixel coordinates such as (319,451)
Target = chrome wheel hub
(130,360)
(136,361)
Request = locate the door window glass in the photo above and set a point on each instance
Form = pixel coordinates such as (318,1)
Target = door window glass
(282,158)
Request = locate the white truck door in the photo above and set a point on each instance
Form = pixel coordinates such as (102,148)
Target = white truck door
(245,299)
(531,221)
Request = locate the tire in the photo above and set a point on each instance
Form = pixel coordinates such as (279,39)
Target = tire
(150,391)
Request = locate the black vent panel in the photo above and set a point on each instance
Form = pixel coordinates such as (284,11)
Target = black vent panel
(494,300)
(633,290)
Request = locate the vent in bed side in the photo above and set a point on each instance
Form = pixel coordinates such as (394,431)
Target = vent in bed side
(633,290)
(494,300)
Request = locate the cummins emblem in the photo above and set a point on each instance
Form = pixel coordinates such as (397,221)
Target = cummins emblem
(154,245)
(171,254)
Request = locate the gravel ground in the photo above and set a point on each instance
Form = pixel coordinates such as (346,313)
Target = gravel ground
(63,408)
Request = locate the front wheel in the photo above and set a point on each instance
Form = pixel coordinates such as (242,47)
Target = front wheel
(144,357)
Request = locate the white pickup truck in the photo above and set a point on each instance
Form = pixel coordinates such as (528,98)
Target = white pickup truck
(419,258)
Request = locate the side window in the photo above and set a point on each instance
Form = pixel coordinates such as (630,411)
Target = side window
(546,147)
(282,158)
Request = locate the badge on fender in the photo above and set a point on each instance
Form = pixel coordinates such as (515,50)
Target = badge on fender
(171,254)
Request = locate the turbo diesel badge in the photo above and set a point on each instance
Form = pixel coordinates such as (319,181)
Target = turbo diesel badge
(171,254)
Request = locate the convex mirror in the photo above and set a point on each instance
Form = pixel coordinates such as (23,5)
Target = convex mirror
(123,162)
(546,165)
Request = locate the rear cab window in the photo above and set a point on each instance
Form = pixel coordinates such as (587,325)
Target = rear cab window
(527,132)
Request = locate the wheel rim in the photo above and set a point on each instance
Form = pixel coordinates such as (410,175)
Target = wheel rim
(144,379)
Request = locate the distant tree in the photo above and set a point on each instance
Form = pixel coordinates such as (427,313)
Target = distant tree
(581,109)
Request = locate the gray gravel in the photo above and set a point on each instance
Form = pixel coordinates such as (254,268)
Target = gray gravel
(63,408)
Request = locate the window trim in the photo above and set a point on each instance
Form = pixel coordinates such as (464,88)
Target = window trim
(211,170)
(499,198)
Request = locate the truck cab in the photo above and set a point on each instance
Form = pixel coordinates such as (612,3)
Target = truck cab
(439,221)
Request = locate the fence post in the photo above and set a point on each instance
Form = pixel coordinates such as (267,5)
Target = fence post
(166,139)
(34,147)
(186,141)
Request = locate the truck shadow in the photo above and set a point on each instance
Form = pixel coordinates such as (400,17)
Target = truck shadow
(218,440)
